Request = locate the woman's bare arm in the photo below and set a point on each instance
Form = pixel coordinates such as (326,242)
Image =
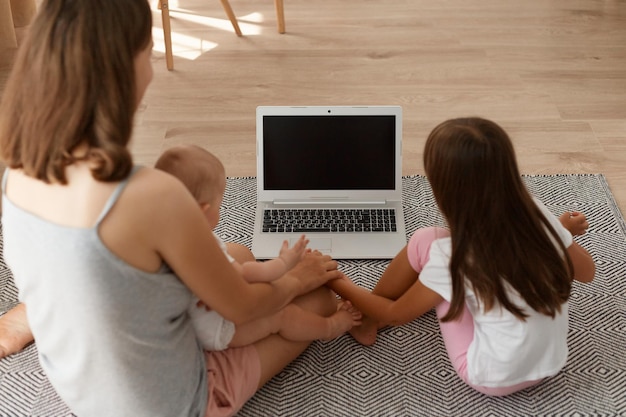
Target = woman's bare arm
(179,234)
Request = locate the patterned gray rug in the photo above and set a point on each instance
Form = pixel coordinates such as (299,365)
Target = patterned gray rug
(407,372)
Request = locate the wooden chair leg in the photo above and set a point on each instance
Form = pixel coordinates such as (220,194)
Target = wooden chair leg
(23,12)
(7,27)
(231,16)
(280,15)
(167,33)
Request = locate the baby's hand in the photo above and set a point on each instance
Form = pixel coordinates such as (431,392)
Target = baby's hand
(291,256)
(575,222)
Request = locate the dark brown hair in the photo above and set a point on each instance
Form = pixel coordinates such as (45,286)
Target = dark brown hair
(73,83)
(499,236)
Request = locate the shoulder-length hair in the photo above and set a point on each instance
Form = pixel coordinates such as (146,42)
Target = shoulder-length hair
(500,238)
(73,83)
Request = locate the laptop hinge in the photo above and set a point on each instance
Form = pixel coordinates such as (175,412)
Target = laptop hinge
(328,202)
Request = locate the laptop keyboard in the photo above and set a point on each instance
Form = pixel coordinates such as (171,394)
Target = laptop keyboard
(329,220)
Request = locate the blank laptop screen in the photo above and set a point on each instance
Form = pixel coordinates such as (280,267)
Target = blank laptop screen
(329,152)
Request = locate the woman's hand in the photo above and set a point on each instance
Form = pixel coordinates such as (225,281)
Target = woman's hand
(314,270)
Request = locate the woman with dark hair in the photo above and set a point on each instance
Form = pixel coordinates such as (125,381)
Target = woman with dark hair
(499,276)
(105,254)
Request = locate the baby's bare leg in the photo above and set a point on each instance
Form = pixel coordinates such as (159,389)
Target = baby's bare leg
(275,352)
(298,325)
(346,318)
(255,330)
(301,325)
(15,332)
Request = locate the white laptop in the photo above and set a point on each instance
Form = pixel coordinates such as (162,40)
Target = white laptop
(331,173)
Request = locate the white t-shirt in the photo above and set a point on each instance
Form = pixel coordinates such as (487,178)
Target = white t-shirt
(505,350)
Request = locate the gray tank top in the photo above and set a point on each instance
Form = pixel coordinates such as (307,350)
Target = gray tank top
(112,339)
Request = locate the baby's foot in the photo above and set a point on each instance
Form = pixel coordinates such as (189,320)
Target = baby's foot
(15,332)
(343,320)
(366,333)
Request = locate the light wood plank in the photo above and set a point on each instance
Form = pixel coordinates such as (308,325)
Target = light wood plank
(552,73)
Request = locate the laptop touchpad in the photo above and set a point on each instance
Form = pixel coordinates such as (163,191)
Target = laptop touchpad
(321,244)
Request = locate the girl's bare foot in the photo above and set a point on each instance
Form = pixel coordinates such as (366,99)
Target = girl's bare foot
(15,332)
(343,320)
(366,333)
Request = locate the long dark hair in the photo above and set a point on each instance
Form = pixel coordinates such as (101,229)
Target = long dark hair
(73,83)
(499,236)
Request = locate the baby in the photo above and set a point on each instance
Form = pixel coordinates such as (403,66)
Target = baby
(204,175)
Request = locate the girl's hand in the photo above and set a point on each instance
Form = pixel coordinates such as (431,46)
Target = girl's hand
(575,222)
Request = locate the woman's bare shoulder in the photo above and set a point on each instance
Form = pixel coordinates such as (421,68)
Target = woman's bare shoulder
(151,210)
(153,180)
(151,184)
(153,194)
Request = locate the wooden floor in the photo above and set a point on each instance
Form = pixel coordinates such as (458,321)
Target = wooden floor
(553,73)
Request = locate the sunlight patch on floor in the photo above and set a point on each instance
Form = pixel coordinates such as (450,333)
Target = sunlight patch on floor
(255,17)
(191,47)
(183,46)
(222,24)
